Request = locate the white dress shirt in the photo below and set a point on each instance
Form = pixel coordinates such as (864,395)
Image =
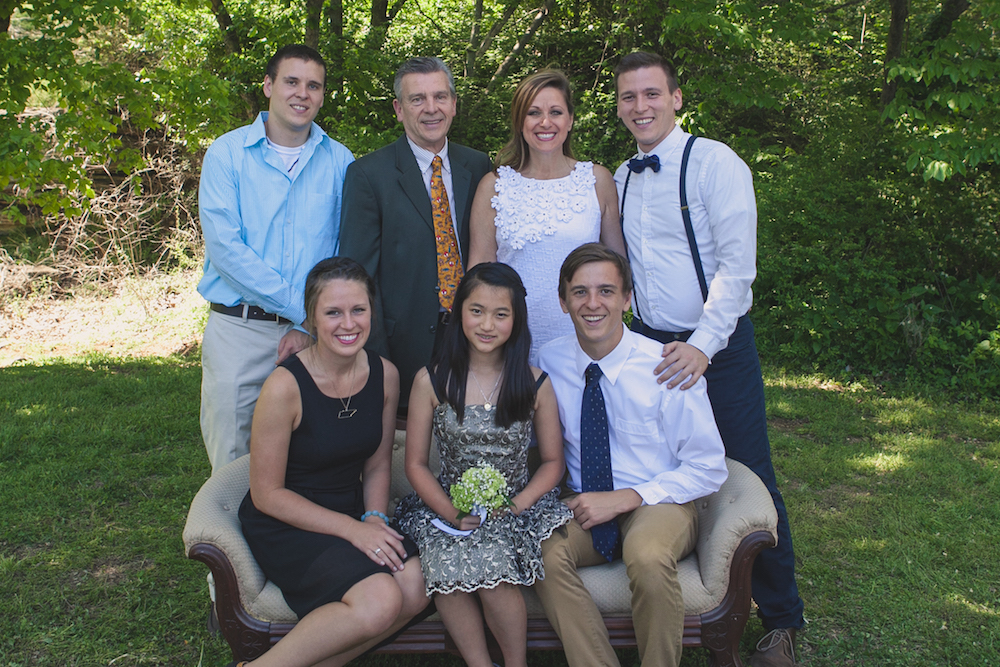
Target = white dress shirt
(664,442)
(424,159)
(724,217)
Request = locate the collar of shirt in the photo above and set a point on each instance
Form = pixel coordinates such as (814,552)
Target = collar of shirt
(613,362)
(257,134)
(425,157)
(676,137)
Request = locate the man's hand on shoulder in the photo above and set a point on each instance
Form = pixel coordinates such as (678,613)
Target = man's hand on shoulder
(597,507)
(681,361)
(291,343)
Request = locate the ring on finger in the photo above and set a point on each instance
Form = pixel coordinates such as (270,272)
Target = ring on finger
(378,551)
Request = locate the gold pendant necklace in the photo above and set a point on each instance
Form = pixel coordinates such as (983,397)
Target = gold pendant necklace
(487,400)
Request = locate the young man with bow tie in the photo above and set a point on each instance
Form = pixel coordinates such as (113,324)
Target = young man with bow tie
(689,216)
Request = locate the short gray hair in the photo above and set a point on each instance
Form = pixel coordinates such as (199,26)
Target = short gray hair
(422,65)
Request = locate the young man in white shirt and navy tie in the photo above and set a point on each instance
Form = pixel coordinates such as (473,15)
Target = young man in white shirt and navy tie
(638,453)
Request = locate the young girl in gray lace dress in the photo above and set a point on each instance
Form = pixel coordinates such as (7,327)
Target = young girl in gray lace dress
(480,400)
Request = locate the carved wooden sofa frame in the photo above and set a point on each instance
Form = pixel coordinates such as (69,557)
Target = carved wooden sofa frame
(736,523)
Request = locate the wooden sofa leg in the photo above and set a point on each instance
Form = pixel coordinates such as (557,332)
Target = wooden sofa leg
(722,639)
(248,637)
(722,628)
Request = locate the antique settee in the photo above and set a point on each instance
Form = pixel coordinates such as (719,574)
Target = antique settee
(736,523)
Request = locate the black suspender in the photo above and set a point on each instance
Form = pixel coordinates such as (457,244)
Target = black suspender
(685,213)
(692,242)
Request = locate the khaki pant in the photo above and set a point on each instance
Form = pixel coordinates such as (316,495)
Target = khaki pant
(237,355)
(655,538)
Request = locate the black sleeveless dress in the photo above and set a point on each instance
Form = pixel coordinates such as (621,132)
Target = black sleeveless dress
(325,459)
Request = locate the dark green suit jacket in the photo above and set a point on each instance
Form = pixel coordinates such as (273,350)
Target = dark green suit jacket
(386,225)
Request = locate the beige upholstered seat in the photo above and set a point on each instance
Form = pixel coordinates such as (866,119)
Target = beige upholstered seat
(735,524)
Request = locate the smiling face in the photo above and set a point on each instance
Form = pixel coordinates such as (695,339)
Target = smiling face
(426,108)
(647,106)
(487,318)
(548,121)
(595,300)
(342,318)
(295,97)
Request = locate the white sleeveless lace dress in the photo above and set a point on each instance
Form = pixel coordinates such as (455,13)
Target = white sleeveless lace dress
(538,224)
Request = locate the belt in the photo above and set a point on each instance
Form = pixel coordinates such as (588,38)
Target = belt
(640,327)
(249,312)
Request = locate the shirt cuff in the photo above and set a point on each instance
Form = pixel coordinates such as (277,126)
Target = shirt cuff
(707,343)
(650,492)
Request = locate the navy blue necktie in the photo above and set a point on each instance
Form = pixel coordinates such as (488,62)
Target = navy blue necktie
(595,456)
(638,165)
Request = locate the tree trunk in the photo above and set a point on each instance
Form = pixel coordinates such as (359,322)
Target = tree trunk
(380,10)
(335,70)
(894,45)
(7,8)
(382,15)
(941,25)
(314,9)
(470,49)
(476,50)
(225,21)
(522,42)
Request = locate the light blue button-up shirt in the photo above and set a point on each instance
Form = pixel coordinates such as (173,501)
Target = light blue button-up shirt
(266,227)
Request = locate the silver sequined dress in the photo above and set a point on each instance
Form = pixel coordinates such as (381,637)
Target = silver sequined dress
(506,548)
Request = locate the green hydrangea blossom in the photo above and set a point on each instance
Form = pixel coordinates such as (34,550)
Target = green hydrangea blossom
(481,486)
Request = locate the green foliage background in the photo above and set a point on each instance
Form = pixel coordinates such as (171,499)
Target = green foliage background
(875,157)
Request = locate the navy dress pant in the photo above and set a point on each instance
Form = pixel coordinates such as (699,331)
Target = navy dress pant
(736,390)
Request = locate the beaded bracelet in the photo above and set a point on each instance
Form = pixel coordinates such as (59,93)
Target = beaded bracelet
(375,513)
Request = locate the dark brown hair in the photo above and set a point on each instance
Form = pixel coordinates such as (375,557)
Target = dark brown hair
(335,268)
(589,253)
(640,59)
(300,51)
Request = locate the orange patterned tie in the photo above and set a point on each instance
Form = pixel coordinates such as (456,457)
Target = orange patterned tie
(448,260)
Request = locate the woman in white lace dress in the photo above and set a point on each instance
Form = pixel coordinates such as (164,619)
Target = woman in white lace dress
(541,203)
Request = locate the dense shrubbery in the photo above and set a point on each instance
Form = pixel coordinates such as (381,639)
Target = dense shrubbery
(866,268)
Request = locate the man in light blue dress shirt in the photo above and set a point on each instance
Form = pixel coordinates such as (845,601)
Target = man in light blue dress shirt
(269,202)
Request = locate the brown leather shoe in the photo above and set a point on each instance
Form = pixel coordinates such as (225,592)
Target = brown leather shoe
(775,649)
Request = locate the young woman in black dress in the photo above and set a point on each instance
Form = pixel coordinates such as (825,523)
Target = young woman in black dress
(320,462)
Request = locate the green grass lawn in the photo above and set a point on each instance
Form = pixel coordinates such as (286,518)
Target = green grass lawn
(894,500)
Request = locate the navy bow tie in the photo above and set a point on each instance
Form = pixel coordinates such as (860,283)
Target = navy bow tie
(638,165)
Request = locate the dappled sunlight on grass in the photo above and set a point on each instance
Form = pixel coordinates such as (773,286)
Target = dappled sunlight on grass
(880,462)
(893,505)
(991,614)
(870,545)
(904,413)
(779,378)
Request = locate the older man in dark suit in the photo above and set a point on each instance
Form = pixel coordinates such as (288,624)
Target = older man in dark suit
(405,217)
